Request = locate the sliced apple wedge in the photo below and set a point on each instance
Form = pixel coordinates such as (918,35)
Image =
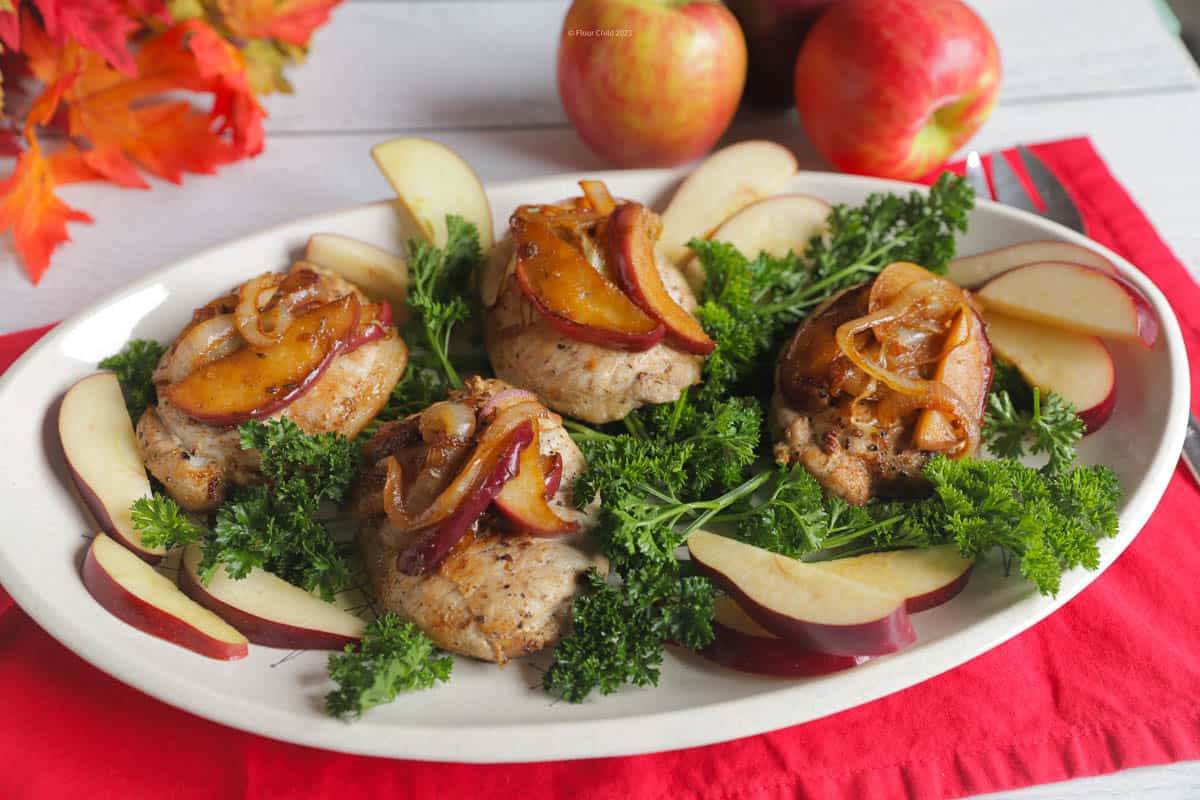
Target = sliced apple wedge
(724,183)
(776,225)
(631,252)
(971,272)
(253,382)
(1075,366)
(380,274)
(103,455)
(136,593)
(741,643)
(431,181)
(926,577)
(804,603)
(572,296)
(1075,298)
(268,610)
(966,369)
(524,498)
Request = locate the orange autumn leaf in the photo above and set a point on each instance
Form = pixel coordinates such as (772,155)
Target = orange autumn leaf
(102,26)
(291,21)
(30,209)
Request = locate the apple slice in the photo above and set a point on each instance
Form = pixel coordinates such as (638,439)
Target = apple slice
(523,498)
(1073,297)
(1076,366)
(741,643)
(974,271)
(268,610)
(136,593)
(724,183)
(103,455)
(966,369)
(431,181)
(572,296)
(804,603)
(631,252)
(775,225)
(380,274)
(253,382)
(926,577)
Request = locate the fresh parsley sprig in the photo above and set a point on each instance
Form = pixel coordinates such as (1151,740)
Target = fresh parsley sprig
(393,657)
(1033,422)
(134,366)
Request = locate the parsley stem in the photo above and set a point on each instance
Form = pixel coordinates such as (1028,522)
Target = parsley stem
(831,542)
(580,431)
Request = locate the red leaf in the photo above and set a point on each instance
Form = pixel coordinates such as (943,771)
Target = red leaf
(10,29)
(102,26)
(111,164)
(156,9)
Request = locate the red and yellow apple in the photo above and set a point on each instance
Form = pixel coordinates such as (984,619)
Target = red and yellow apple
(892,87)
(650,83)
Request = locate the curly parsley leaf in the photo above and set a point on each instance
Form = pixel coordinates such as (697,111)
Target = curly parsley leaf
(134,367)
(393,657)
(162,523)
(1048,424)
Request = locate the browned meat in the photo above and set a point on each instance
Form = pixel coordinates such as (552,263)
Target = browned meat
(497,595)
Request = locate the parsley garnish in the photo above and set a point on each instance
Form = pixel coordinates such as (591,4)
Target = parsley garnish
(134,367)
(393,657)
(1020,418)
(162,523)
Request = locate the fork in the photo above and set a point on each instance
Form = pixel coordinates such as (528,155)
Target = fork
(1061,209)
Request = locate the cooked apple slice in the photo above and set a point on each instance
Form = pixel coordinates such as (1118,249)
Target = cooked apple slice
(1073,365)
(804,603)
(573,297)
(724,183)
(254,382)
(741,643)
(631,252)
(380,274)
(268,610)
(523,498)
(966,369)
(431,181)
(1073,297)
(136,593)
(926,577)
(776,225)
(103,456)
(971,272)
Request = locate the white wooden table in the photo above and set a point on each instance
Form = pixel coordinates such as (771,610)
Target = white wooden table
(479,76)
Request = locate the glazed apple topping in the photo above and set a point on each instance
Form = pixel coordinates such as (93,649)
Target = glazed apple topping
(588,267)
(456,460)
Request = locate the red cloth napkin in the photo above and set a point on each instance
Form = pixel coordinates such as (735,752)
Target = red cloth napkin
(1110,681)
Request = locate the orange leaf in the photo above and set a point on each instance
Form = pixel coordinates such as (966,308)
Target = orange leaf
(102,26)
(292,21)
(37,218)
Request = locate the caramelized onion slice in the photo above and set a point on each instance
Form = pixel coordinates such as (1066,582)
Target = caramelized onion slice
(204,343)
(447,420)
(598,196)
(262,322)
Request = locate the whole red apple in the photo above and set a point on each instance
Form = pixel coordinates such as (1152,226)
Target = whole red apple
(650,83)
(774,30)
(893,87)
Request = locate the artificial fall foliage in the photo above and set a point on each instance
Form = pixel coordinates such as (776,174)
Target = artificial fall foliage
(105,77)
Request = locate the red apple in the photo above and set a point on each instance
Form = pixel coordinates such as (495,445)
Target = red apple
(805,603)
(104,458)
(631,252)
(774,30)
(971,272)
(267,609)
(136,593)
(1073,297)
(524,500)
(650,83)
(741,643)
(892,87)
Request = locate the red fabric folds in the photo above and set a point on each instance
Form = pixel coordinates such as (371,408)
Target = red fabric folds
(1111,681)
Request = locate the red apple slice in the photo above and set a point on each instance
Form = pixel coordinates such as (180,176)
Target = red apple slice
(523,499)
(253,382)
(572,296)
(431,181)
(136,593)
(1076,366)
(974,271)
(103,455)
(926,577)
(268,610)
(966,369)
(741,643)
(1075,298)
(724,183)
(380,274)
(804,603)
(631,252)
